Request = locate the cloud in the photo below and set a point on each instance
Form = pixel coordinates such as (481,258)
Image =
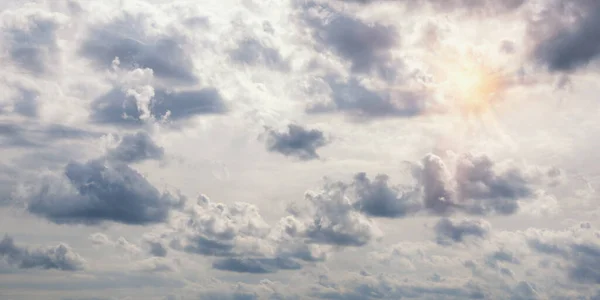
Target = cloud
(239,239)
(450,231)
(121,243)
(577,247)
(366,46)
(59,257)
(138,44)
(297,142)
(376,198)
(26,104)
(135,148)
(35,135)
(572,46)
(120,108)
(215,229)
(329,218)
(97,191)
(256,265)
(253,52)
(384,286)
(477,186)
(157,248)
(356,100)
(31,39)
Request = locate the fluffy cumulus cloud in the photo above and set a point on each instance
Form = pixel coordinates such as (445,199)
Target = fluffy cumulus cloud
(98,191)
(59,257)
(342,149)
(297,142)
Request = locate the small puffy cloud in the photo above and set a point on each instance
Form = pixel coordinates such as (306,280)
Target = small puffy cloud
(155,265)
(98,191)
(59,257)
(357,101)
(297,142)
(135,148)
(451,231)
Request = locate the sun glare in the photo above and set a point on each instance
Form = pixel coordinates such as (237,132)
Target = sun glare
(466,83)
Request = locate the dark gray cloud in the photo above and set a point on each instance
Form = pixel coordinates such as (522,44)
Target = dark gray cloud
(253,52)
(34,135)
(354,99)
(476,187)
(223,245)
(60,257)
(377,198)
(98,191)
(135,148)
(118,108)
(297,142)
(256,265)
(34,46)
(575,45)
(366,46)
(157,248)
(129,39)
(448,231)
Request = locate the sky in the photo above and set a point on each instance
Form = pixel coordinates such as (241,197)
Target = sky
(299,149)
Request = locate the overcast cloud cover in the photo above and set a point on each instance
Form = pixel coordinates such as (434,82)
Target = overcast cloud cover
(324,149)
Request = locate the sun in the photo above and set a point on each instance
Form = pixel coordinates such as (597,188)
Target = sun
(467,83)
